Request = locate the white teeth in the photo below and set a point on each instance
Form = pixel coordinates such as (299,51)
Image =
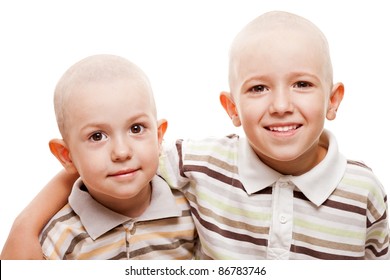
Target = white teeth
(283,128)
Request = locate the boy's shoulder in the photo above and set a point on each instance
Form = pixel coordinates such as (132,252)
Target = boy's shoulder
(211,141)
(205,146)
(360,175)
(358,164)
(65,220)
(224,146)
(360,171)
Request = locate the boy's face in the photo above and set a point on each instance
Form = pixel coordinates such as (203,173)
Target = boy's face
(281,93)
(113,138)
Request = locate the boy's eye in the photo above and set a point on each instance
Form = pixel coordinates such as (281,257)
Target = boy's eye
(258,89)
(136,129)
(302,84)
(97,136)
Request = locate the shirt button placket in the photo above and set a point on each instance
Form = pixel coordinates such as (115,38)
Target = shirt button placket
(281,231)
(130,229)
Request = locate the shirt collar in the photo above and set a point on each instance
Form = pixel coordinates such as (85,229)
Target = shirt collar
(316,184)
(98,219)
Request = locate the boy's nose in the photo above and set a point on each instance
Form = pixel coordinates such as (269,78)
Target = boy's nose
(281,102)
(121,150)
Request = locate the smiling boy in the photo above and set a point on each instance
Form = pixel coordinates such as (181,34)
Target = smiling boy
(283,191)
(282,91)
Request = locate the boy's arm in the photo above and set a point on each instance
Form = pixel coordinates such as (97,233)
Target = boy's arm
(23,239)
(378,234)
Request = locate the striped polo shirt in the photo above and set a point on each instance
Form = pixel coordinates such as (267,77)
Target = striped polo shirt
(85,229)
(245,210)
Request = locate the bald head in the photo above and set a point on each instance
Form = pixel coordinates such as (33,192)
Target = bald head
(95,69)
(271,29)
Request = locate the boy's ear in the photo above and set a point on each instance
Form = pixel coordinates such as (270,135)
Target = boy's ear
(60,150)
(230,107)
(335,99)
(162,126)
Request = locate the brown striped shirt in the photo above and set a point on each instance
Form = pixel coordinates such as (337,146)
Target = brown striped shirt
(85,229)
(245,210)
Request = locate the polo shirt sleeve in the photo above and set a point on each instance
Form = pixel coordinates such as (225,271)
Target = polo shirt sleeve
(171,165)
(377,241)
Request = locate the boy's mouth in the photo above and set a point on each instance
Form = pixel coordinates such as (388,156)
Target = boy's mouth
(123,172)
(283,128)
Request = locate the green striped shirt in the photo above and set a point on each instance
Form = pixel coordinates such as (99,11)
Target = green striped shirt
(245,210)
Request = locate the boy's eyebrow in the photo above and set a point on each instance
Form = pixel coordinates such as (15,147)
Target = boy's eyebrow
(93,125)
(261,78)
(253,79)
(134,118)
(303,73)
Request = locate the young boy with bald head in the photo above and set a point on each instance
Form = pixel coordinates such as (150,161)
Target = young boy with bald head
(119,208)
(283,191)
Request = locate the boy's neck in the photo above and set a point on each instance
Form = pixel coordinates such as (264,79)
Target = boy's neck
(132,207)
(137,206)
(300,165)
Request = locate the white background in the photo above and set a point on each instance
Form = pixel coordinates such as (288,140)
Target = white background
(182,46)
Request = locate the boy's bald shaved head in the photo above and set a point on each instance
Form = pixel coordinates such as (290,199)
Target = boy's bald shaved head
(94,69)
(273,23)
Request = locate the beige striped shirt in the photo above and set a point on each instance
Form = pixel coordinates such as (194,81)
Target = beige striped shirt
(85,229)
(245,210)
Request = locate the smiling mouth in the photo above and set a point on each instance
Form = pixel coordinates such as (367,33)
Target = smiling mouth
(283,128)
(123,172)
